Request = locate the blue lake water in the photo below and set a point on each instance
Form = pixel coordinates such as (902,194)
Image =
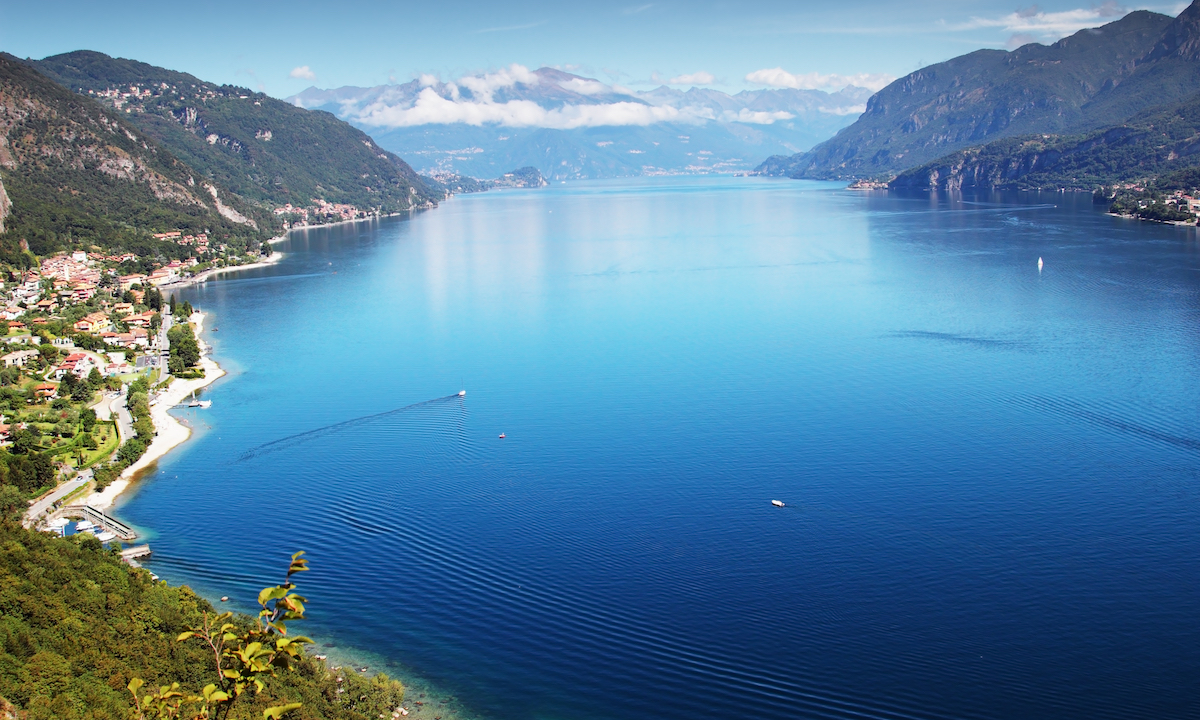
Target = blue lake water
(992,474)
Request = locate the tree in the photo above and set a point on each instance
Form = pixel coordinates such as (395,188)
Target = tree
(173,304)
(88,417)
(95,380)
(243,657)
(12,505)
(155,322)
(183,345)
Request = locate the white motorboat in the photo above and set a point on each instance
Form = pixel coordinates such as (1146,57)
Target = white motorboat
(84,525)
(106,536)
(777,503)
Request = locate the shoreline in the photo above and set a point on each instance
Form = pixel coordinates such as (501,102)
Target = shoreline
(275,256)
(169,432)
(214,272)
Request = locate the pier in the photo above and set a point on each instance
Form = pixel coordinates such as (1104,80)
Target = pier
(87,512)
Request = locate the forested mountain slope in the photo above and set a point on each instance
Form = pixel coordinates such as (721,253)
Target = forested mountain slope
(74,171)
(266,150)
(1151,144)
(1093,79)
(77,624)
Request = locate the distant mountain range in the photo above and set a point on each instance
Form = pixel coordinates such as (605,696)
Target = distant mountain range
(1105,105)
(570,126)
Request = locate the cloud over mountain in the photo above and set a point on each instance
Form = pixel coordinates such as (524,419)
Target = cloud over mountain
(518,97)
(780,78)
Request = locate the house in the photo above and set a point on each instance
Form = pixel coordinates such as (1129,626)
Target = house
(63,342)
(15,325)
(128,281)
(121,368)
(123,308)
(47,305)
(12,312)
(78,364)
(19,358)
(95,322)
(140,320)
(46,390)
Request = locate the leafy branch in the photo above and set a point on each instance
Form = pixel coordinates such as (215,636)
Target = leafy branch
(244,657)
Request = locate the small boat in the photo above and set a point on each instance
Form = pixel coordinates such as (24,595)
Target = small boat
(224,598)
(106,536)
(462,393)
(501,436)
(1039,264)
(84,525)
(777,503)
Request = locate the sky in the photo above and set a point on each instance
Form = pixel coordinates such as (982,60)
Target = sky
(282,48)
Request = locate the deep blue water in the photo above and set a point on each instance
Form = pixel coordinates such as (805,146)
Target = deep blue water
(992,474)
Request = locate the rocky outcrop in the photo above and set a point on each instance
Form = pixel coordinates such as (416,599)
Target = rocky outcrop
(5,205)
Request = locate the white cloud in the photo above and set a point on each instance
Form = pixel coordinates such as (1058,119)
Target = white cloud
(696,78)
(303,72)
(483,86)
(849,110)
(585,87)
(780,78)
(427,80)
(752,117)
(1034,22)
(432,108)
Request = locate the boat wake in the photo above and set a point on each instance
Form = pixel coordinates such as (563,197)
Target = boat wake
(290,440)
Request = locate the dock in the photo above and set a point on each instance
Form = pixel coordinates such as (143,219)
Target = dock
(98,517)
(135,552)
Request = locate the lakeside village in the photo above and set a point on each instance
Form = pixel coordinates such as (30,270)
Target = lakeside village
(87,351)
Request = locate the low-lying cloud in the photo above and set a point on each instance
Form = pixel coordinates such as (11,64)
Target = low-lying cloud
(517,97)
(433,109)
(780,78)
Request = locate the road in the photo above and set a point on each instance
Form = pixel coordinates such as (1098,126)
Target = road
(119,409)
(40,507)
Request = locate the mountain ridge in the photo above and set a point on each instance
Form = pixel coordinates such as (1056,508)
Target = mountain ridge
(1094,78)
(460,127)
(73,171)
(263,149)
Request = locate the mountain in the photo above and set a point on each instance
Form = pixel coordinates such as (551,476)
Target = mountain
(73,171)
(1093,79)
(1156,142)
(570,126)
(267,151)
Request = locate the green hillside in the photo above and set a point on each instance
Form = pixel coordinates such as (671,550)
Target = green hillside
(77,174)
(1094,79)
(266,150)
(77,624)
(1152,144)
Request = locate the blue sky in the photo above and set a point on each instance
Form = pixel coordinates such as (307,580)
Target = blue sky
(282,48)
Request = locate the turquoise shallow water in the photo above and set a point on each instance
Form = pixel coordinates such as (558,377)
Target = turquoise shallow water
(991,473)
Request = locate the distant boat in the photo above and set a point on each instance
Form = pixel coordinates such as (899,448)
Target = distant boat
(462,393)
(777,503)
(501,436)
(1039,264)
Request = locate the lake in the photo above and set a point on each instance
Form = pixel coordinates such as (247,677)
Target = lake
(991,473)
